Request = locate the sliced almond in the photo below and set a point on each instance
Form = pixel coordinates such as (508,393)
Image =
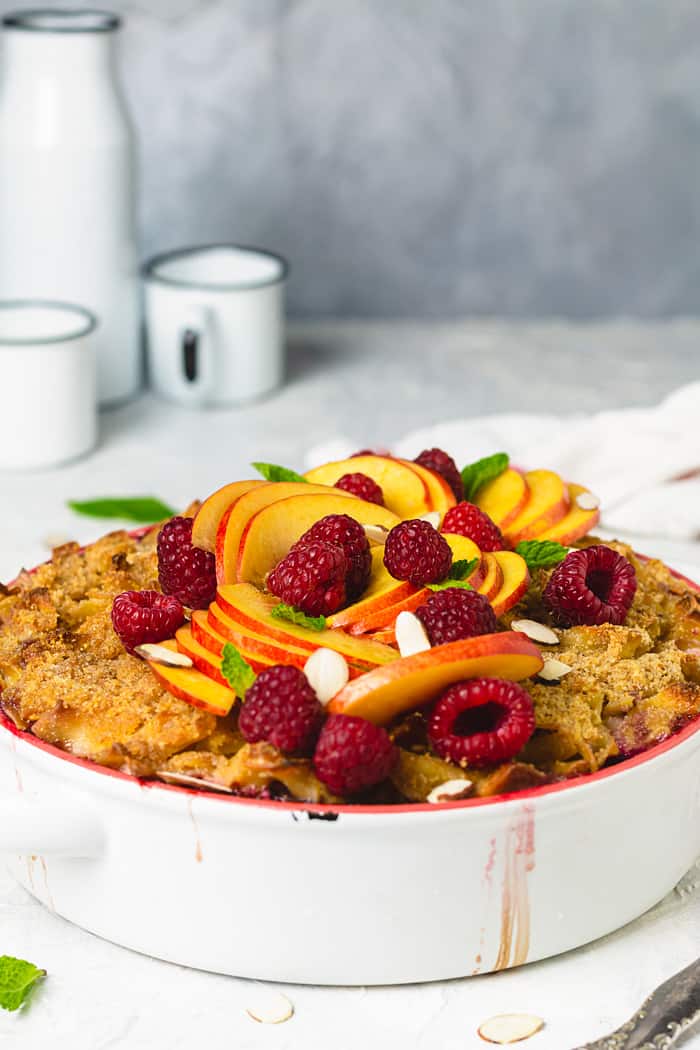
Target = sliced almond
(553,670)
(160,655)
(538,632)
(450,791)
(376,534)
(327,672)
(587,501)
(55,539)
(432,517)
(270,1007)
(510,1028)
(185,780)
(411,636)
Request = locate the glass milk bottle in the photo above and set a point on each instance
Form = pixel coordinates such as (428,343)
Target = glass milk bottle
(67,215)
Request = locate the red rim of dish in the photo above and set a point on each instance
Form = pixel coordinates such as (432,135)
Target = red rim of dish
(330,810)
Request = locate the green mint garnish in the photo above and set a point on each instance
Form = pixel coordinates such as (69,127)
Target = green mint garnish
(271,472)
(477,474)
(541,554)
(17,978)
(459,574)
(236,670)
(288,612)
(145,510)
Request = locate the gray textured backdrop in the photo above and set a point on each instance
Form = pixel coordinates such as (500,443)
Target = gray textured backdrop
(443,157)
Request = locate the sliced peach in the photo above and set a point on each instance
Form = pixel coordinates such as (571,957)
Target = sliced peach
(405,491)
(237,515)
(440,493)
(206,520)
(220,626)
(251,608)
(270,533)
(493,580)
(548,503)
(516,580)
(504,498)
(382,590)
(413,681)
(575,524)
(189,684)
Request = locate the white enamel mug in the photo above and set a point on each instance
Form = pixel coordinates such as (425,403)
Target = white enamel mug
(215,323)
(48,382)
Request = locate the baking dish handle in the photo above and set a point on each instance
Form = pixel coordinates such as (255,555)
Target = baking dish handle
(49,829)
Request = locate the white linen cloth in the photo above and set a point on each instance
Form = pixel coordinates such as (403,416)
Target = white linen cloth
(631,458)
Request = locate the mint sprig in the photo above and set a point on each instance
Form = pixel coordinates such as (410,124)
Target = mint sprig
(477,474)
(288,612)
(145,510)
(273,472)
(236,670)
(541,554)
(17,978)
(459,574)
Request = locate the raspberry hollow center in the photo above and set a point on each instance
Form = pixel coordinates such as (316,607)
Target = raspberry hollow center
(600,582)
(486,718)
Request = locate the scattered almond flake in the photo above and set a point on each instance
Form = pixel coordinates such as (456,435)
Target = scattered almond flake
(185,780)
(159,654)
(432,517)
(52,540)
(187,613)
(538,632)
(510,1028)
(451,791)
(270,1007)
(411,636)
(376,534)
(327,672)
(553,670)
(587,501)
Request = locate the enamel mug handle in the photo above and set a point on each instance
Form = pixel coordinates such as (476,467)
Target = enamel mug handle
(195,349)
(49,830)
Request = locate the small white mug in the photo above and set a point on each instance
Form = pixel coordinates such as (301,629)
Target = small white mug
(215,323)
(48,380)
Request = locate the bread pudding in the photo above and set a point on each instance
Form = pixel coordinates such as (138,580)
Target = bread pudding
(375,631)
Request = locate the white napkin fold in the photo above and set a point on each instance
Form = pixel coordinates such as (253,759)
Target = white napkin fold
(631,458)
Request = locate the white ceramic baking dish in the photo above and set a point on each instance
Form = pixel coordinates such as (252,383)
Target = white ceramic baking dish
(348,894)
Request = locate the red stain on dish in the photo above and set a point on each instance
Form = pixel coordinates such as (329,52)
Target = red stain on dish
(198,855)
(515,907)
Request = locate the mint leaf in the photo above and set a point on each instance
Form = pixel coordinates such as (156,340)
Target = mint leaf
(541,554)
(271,472)
(236,670)
(288,612)
(462,569)
(17,978)
(144,510)
(444,584)
(477,474)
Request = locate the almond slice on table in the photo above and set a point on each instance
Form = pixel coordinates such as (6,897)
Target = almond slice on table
(269,1007)
(160,655)
(510,1028)
(587,501)
(411,636)
(186,780)
(554,670)
(327,672)
(376,534)
(451,791)
(537,632)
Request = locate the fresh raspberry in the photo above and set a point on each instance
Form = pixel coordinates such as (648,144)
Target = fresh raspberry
(468,520)
(591,586)
(146,616)
(312,578)
(352,754)
(281,708)
(185,571)
(363,486)
(440,463)
(481,721)
(343,531)
(416,552)
(456,613)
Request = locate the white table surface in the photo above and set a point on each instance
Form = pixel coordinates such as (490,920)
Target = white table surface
(374,382)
